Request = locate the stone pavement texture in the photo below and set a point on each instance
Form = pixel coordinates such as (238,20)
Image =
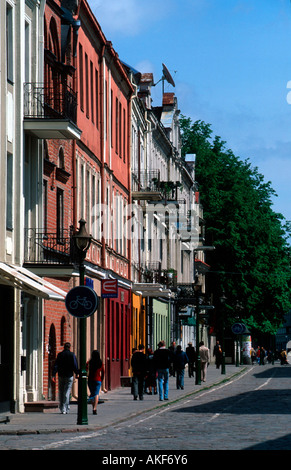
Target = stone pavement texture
(117,406)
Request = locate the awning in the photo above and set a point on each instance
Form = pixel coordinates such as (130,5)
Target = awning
(201,266)
(21,278)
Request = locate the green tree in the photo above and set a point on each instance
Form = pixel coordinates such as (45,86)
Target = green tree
(251,263)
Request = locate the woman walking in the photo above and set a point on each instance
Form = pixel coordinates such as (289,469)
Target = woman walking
(95,369)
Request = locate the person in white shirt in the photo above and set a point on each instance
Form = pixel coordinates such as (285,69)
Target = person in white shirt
(204,359)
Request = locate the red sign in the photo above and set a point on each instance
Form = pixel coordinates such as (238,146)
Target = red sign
(109,288)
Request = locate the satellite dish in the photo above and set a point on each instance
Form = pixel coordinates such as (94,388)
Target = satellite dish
(167,76)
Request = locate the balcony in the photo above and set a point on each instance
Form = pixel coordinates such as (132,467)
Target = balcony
(50,113)
(45,248)
(153,273)
(147,186)
(169,190)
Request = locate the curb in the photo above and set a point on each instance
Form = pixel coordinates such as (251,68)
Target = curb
(92,428)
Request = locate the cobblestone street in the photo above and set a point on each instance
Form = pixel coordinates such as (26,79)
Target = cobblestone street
(251,411)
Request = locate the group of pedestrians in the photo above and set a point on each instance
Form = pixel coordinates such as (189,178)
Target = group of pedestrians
(66,366)
(258,355)
(151,370)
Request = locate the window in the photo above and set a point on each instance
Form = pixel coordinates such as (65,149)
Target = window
(61,162)
(63,331)
(97,96)
(60,214)
(9,43)
(45,204)
(27,52)
(119,131)
(9,192)
(116,124)
(81,77)
(81,193)
(124,134)
(92,91)
(88,200)
(93,208)
(87,85)
(111,118)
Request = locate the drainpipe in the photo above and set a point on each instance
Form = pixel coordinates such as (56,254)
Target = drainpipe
(74,162)
(103,183)
(129,180)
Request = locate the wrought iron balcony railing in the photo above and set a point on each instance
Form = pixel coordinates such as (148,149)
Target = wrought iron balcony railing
(147,180)
(43,247)
(153,273)
(47,102)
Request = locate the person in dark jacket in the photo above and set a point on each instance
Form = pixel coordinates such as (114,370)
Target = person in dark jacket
(139,369)
(66,366)
(151,377)
(191,353)
(180,360)
(162,361)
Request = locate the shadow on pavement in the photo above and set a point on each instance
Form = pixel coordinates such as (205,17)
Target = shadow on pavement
(257,402)
(282,443)
(277,372)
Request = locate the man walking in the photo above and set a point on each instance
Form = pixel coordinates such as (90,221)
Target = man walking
(180,361)
(217,353)
(66,365)
(139,369)
(162,362)
(191,353)
(204,359)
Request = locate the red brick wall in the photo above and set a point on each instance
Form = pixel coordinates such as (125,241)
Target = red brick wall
(56,317)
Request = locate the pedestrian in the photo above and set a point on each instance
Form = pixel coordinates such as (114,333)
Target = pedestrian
(151,378)
(204,360)
(172,349)
(180,360)
(253,355)
(217,353)
(262,356)
(258,352)
(191,353)
(139,369)
(65,366)
(283,357)
(162,361)
(95,370)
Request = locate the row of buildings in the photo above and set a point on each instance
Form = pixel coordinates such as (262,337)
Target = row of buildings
(81,140)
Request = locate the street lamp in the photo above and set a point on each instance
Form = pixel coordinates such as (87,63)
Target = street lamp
(196,293)
(82,242)
(222,301)
(238,308)
(198,365)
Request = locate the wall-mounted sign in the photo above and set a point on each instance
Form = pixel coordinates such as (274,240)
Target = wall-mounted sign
(109,288)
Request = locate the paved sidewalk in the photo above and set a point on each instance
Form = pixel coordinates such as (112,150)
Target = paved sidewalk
(118,405)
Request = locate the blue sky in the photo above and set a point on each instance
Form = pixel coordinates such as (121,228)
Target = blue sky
(231,63)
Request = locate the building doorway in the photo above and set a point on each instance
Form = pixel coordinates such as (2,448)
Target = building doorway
(6,347)
(51,362)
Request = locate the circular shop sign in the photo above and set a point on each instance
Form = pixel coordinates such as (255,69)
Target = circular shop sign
(81,301)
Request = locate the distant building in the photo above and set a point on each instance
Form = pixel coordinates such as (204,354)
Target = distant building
(283,335)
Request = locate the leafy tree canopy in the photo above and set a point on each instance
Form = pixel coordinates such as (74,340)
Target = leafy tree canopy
(251,263)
